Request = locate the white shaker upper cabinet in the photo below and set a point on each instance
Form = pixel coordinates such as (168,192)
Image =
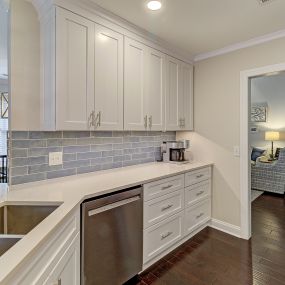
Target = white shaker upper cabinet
(108,79)
(74,71)
(179,95)
(187,71)
(135,113)
(174,95)
(155,90)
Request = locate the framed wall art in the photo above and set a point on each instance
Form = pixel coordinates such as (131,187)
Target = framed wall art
(259,113)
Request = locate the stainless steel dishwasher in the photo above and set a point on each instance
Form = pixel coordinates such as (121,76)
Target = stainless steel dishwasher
(112,237)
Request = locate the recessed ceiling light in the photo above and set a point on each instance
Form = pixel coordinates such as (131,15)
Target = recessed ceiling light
(154,5)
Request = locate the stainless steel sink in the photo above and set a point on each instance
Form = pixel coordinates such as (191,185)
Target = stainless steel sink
(17,220)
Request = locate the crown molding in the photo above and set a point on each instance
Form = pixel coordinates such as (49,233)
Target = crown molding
(95,9)
(252,42)
(43,7)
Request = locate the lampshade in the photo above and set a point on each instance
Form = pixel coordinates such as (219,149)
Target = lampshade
(272,136)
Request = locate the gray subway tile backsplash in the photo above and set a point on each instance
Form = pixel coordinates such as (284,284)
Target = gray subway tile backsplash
(83,152)
(60,173)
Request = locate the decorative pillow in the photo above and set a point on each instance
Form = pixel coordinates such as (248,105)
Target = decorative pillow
(256,152)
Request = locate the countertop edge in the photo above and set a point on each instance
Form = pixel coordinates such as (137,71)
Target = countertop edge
(50,229)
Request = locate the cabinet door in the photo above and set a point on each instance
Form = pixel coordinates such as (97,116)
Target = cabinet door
(174,95)
(74,71)
(67,270)
(188,96)
(108,79)
(135,85)
(155,90)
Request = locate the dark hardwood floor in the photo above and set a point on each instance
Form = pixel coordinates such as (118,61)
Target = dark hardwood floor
(213,257)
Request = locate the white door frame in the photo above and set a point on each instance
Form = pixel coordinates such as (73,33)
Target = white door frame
(245,178)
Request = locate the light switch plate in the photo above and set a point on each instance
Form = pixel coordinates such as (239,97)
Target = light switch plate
(55,158)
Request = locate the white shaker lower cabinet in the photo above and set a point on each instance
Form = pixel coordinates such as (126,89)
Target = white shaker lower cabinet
(160,208)
(162,235)
(56,261)
(197,192)
(197,215)
(174,211)
(66,270)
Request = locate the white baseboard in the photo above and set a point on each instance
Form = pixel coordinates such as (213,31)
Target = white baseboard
(226,227)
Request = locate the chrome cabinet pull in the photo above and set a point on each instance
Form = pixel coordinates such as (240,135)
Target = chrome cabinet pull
(165,235)
(199,193)
(145,122)
(150,122)
(164,208)
(91,119)
(99,118)
(199,176)
(200,215)
(166,187)
(183,123)
(180,122)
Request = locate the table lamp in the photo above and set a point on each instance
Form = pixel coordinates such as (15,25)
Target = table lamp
(272,136)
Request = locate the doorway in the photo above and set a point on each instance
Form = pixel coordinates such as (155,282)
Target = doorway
(245,149)
(4,88)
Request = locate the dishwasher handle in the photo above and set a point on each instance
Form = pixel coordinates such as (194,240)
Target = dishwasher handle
(113,205)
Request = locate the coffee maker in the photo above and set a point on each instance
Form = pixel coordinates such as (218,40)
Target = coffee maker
(174,151)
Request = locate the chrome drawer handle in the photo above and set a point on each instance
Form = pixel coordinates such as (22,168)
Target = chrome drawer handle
(200,215)
(199,193)
(166,187)
(199,176)
(166,207)
(165,235)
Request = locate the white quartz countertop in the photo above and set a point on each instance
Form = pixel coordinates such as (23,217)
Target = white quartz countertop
(69,192)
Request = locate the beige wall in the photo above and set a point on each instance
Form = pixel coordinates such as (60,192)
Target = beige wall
(216,119)
(25,66)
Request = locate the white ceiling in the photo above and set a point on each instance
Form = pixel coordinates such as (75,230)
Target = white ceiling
(199,26)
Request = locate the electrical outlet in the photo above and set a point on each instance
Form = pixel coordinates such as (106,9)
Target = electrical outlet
(236,151)
(55,158)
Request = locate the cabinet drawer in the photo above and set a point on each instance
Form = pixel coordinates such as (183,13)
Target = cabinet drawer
(162,235)
(164,186)
(197,192)
(197,215)
(160,208)
(197,176)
